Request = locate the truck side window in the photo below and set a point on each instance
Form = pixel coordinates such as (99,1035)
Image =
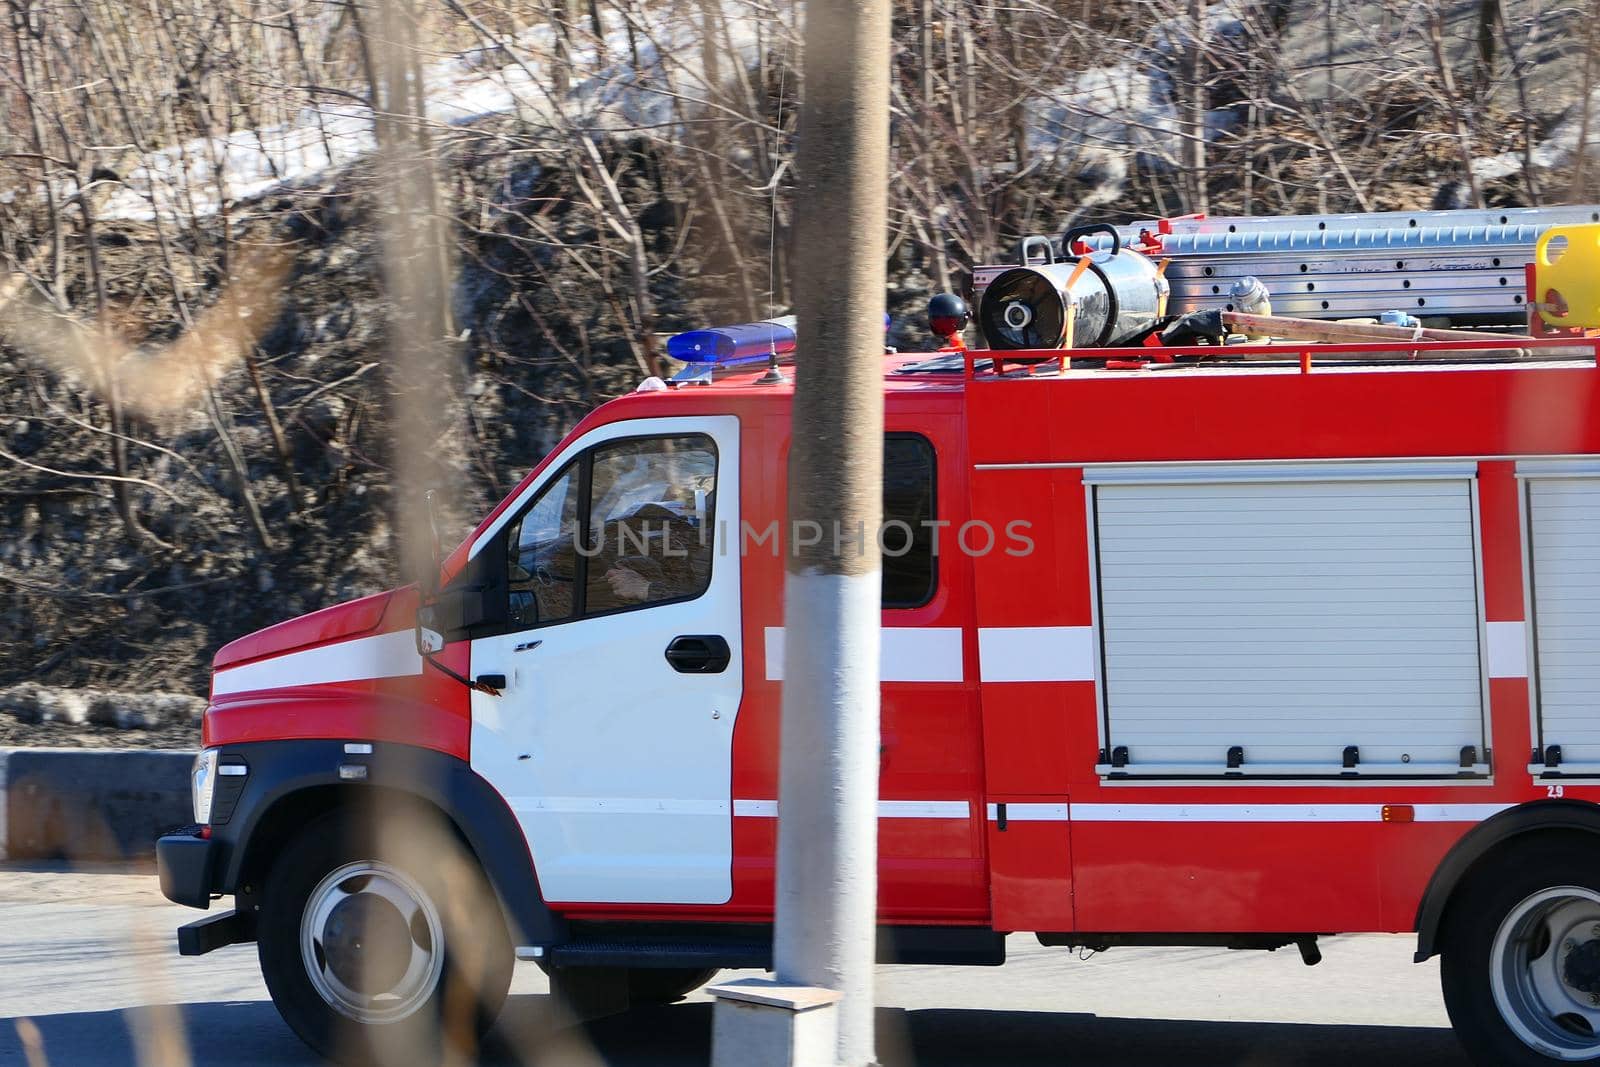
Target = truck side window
(910,565)
(542,564)
(649,533)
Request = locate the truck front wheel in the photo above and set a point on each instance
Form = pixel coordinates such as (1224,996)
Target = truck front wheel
(376,945)
(1521,967)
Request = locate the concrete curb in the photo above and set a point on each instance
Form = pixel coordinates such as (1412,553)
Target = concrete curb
(89,804)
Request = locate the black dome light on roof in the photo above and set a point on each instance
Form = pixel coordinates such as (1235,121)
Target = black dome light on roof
(947,315)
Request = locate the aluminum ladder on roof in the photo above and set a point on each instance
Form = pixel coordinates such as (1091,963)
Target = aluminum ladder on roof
(1542,217)
(1464,266)
(1468,274)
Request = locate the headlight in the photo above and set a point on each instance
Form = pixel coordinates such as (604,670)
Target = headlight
(203,783)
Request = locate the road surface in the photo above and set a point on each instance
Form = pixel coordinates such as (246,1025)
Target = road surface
(91,960)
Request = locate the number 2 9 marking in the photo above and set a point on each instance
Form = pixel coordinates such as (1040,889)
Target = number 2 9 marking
(1554,790)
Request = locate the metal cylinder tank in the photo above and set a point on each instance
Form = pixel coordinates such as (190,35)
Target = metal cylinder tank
(1118,300)
(1026,307)
(1138,295)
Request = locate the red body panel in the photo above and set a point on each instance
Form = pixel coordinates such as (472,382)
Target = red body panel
(1031,872)
(382,710)
(1223,415)
(429,710)
(1255,876)
(354,618)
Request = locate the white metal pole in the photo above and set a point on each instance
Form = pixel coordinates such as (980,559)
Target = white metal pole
(828,797)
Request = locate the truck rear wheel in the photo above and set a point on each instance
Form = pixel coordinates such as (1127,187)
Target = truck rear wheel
(382,947)
(1521,967)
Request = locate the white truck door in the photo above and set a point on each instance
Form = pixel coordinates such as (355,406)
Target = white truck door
(613,737)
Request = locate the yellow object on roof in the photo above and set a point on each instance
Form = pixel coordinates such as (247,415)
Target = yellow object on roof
(1566,275)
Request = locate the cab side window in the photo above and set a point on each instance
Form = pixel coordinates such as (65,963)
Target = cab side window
(650,522)
(628,524)
(910,564)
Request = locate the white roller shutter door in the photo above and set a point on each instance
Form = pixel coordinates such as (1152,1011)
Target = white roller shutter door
(1564,520)
(1291,617)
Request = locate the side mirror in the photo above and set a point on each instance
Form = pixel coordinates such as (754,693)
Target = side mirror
(474,598)
(454,613)
(429,639)
(463,607)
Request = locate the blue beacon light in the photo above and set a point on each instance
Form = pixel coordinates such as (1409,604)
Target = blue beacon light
(727,346)
(705,351)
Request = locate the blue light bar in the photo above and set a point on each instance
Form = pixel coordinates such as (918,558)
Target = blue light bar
(706,351)
(729,345)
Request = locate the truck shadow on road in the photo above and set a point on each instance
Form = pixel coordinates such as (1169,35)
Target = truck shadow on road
(226,1034)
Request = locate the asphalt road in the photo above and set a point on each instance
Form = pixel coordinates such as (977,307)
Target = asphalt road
(91,960)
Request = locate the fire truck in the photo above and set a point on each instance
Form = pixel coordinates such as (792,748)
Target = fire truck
(1201,625)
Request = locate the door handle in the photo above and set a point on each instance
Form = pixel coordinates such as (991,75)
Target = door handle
(698,654)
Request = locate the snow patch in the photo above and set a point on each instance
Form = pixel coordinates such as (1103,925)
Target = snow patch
(30,702)
(1557,150)
(1106,117)
(1097,122)
(610,93)
(1113,109)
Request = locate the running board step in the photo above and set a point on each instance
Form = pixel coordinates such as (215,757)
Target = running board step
(646,953)
(961,946)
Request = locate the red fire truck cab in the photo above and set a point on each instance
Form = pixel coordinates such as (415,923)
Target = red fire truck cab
(1210,653)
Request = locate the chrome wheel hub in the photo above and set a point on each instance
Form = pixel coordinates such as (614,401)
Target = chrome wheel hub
(1545,972)
(371,941)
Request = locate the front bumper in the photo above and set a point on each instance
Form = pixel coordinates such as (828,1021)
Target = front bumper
(188,866)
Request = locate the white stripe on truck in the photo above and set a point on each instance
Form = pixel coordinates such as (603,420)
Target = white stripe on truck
(391,655)
(909,654)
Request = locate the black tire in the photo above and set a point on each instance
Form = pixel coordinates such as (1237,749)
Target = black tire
(455,999)
(1508,884)
(664,985)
